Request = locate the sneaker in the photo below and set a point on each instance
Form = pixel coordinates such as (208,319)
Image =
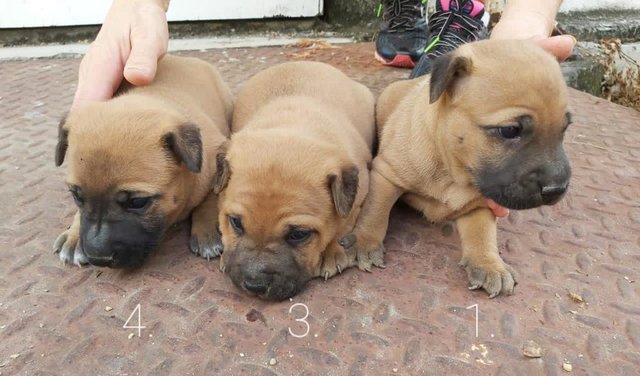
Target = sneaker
(403,34)
(454,23)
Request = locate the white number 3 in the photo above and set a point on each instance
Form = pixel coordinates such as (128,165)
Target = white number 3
(139,327)
(304,320)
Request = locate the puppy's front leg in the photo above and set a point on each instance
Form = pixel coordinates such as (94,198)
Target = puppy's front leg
(67,244)
(480,258)
(364,245)
(205,235)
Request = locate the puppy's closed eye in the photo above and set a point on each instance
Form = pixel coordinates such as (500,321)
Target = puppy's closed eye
(510,132)
(297,236)
(236,223)
(76,193)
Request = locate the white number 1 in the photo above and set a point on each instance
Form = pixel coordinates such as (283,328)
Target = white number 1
(139,327)
(476,307)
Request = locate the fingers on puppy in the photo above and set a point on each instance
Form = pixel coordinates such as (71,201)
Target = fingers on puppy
(488,123)
(293,176)
(141,162)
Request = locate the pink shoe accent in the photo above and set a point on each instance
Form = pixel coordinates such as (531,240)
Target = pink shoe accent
(444,4)
(475,8)
(472,8)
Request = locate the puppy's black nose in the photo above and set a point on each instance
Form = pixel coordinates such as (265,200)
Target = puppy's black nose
(258,287)
(552,193)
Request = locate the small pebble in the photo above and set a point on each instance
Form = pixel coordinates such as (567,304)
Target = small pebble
(273,362)
(242,355)
(108,309)
(567,367)
(395,370)
(130,335)
(531,350)
(575,297)
(14,356)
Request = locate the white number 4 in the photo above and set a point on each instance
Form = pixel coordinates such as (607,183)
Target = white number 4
(139,327)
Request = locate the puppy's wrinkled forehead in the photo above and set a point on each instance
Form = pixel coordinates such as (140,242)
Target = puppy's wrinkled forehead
(113,149)
(517,73)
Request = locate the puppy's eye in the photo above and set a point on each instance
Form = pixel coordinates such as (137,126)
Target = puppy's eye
(510,132)
(236,224)
(137,203)
(297,236)
(77,196)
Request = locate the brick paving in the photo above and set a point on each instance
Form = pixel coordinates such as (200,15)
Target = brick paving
(410,319)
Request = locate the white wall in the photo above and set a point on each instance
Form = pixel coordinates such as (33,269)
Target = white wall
(39,13)
(578,5)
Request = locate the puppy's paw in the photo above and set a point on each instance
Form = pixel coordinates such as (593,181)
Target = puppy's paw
(363,252)
(206,243)
(494,277)
(67,246)
(335,260)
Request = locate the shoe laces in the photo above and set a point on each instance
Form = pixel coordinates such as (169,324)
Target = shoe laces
(449,29)
(401,15)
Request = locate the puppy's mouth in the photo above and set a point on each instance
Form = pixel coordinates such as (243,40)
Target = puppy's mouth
(269,291)
(524,201)
(266,282)
(130,259)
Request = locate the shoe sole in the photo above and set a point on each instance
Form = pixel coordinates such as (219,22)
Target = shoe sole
(400,61)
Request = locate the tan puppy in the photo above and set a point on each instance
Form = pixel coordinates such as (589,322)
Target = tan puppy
(294,176)
(488,123)
(143,161)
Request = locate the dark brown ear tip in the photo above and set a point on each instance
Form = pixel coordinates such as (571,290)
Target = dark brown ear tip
(222,170)
(446,70)
(186,145)
(63,142)
(194,166)
(344,189)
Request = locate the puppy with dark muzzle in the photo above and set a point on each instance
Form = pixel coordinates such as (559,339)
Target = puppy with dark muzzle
(487,124)
(143,161)
(293,177)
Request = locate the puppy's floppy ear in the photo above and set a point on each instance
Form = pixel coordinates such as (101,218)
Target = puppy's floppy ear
(185,145)
(447,70)
(223,170)
(344,188)
(63,141)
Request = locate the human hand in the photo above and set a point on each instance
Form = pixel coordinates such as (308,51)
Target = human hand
(536,27)
(133,37)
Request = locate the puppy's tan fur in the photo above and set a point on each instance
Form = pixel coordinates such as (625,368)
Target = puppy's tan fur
(158,140)
(302,139)
(429,152)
